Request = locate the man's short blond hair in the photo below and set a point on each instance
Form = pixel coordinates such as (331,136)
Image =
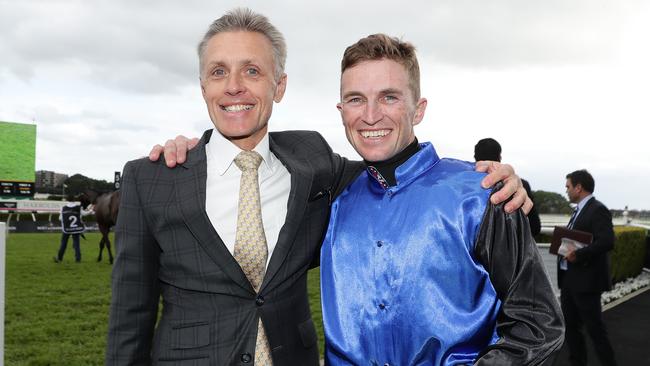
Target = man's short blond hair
(381,46)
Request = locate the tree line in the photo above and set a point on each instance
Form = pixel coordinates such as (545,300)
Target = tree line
(555,203)
(545,202)
(77,184)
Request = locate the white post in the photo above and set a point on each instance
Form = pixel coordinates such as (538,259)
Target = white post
(2,291)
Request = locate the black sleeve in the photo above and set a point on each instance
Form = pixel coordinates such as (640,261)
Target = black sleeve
(533,215)
(345,171)
(535,222)
(530,324)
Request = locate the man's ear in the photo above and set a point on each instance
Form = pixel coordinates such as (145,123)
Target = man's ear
(280,88)
(420,108)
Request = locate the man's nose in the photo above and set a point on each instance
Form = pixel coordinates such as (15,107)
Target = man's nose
(234,85)
(372,113)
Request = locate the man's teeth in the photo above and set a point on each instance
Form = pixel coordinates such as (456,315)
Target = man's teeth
(376,133)
(237,107)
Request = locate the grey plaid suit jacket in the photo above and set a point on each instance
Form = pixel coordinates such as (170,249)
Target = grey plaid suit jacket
(167,248)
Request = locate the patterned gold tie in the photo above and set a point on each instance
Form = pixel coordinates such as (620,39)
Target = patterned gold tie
(251,251)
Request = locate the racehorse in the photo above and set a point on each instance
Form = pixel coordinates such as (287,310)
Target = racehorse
(106,207)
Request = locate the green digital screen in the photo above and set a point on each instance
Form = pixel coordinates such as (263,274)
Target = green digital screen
(17,152)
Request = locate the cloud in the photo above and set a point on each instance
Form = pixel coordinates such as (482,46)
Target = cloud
(107,79)
(149,47)
(492,34)
(130,47)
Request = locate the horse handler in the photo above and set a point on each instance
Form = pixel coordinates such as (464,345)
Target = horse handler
(72,224)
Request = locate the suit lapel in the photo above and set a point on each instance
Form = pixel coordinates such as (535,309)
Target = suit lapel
(301,180)
(190,187)
(582,214)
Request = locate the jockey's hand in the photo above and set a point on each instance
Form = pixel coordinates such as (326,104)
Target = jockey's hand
(512,186)
(175,151)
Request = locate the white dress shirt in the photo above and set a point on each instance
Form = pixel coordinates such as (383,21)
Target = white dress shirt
(580,206)
(563,262)
(222,190)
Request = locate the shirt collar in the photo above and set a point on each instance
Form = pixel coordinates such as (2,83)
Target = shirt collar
(221,153)
(583,202)
(412,168)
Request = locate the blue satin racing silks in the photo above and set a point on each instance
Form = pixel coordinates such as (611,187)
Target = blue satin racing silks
(399,282)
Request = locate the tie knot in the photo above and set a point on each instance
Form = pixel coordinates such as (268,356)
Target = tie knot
(248,160)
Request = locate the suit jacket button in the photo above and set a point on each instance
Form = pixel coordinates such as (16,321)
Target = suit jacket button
(246,357)
(259,301)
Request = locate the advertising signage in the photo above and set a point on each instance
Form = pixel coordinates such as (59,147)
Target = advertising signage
(17,159)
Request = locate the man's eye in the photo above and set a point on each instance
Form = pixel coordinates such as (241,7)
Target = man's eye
(354,101)
(252,71)
(219,72)
(390,99)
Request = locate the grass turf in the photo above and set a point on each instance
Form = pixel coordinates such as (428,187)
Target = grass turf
(57,314)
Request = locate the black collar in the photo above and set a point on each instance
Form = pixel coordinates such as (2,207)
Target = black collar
(386,168)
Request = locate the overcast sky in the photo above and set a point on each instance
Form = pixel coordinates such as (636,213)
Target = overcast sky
(561,84)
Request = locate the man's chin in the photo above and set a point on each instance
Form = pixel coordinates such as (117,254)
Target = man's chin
(374,156)
(234,134)
(375,152)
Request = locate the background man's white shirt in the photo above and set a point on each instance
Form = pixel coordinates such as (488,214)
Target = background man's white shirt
(563,262)
(581,205)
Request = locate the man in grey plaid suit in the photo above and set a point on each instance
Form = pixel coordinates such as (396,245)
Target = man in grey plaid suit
(176,231)
(171,243)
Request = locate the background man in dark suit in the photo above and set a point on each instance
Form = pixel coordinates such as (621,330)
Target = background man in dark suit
(584,273)
(490,149)
(178,230)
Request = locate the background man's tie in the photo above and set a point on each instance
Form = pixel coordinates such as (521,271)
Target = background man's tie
(563,262)
(572,219)
(250,241)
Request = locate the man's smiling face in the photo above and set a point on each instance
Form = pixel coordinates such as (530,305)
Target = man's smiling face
(239,85)
(378,108)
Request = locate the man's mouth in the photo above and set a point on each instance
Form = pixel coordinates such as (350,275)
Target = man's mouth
(374,133)
(237,107)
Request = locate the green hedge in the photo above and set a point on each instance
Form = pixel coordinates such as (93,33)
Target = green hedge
(629,252)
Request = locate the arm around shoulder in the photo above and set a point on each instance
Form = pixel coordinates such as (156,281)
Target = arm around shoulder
(530,323)
(135,290)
